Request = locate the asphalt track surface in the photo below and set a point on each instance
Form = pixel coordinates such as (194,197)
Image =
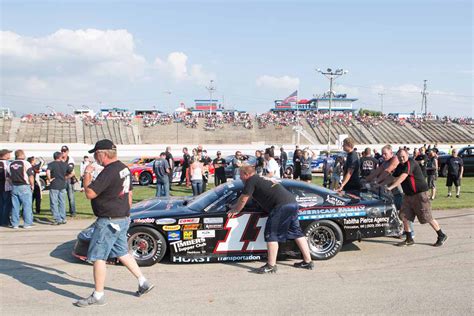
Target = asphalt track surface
(38,276)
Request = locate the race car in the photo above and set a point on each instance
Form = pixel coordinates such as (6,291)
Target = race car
(140,161)
(198,229)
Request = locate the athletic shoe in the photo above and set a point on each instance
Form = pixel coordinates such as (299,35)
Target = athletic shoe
(63,222)
(458,196)
(267,269)
(28,226)
(406,242)
(440,241)
(449,195)
(145,288)
(56,223)
(304,265)
(91,300)
(13,227)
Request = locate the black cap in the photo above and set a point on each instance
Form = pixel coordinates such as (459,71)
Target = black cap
(64,148)
(103,144)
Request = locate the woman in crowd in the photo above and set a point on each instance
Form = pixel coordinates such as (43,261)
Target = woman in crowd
(196,171)
(259,162)
(336,173)
(306,161)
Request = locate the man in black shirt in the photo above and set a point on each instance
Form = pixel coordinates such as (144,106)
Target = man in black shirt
(351,180)
(185,166)
(416,201)
(70,181)
(5,188)
(111,195)
(169,158)
(283,161)
(58,173)
(367,163)
(282,223)
(455,172)
(421,159)
(219,169)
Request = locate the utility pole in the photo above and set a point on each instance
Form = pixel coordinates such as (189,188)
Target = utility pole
(168,92)
(331,75)
(381,101)
(211,90)
(424,101)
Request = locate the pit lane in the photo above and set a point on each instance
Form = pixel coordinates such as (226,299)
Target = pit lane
(39,276)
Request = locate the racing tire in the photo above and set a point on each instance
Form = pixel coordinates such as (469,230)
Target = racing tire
(147,245)
(325,239)
(145,179)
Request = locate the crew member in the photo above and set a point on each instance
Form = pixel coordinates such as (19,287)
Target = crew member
(351,180)
(22,176)
(70,181)
(5,188)
(455,172)
(282,222)
(219,169)
(111,199)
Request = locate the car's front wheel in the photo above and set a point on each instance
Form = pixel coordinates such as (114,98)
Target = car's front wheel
(145,178)
(147,245)
(325,239)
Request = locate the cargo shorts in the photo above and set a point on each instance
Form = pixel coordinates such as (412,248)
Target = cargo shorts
(283,224)
(109,239)
(418,205)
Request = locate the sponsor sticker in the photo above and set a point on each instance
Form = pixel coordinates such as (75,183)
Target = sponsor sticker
(213,220)
(308,201)
(170,228)
(165,221)
(239,258)
(206,234)
(190,260)
(191,227)
(176,235)
(186,245)
(144,220)
(334,200)
(188,234)
(213,226)
(189,220)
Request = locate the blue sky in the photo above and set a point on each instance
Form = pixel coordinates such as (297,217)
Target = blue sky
(128,53)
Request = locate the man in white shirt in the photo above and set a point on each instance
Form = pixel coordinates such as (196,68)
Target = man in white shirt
(271,166)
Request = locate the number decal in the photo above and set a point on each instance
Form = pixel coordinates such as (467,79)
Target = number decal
(236,230)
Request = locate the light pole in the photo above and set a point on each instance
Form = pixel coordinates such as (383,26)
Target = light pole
(331,75)
(381,101)
(211,88)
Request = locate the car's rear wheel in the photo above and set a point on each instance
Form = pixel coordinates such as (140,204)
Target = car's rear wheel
(147,245)
(145,178)
(325,239)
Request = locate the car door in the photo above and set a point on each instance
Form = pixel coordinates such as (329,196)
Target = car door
(467,156)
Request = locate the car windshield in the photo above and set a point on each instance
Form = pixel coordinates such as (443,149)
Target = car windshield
(202,201)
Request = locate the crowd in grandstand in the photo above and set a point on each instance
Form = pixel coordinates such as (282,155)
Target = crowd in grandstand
(42,117)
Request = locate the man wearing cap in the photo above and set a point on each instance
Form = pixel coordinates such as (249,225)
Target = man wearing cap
(111,198)
(58,173)
(70,181)
(5,188)
(23,181)
(219,169)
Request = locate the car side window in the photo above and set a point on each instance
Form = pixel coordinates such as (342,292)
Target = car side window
(306,198)
(219,205)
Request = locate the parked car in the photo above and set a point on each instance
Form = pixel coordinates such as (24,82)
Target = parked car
(467,155)
(198,229)
(140,161)
(229,170)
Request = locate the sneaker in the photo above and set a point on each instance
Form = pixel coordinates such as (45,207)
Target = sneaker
(63,222)
(56,223)
(91,300)
(267,269)
(440,241)
(449,195)
(145,288)
(27,227)
(304,265)
(458,196)
(14,227)
(406,242)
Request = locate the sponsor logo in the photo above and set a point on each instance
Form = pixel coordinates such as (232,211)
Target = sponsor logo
(170,228)
(239,258)
(213,220)
(176,235)
(334,200)
(186,245)
(206,234)
(341,212)
(165,221)
(189,220)
(192,227)
(213,226)
(190,260)
(144,220)
(188,234)
(308,201)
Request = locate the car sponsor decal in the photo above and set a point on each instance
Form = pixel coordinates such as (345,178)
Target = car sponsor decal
(183,246)
(165,221)
(192,227)
(366,222)
(144,220)
(176,235)
(334,200)
(189,220)
(213,220)
(214,226)
(234,240)
(189,260)
(170,228)
(308,201)
(188,234)
(239,258)
(206,234)
(321,213)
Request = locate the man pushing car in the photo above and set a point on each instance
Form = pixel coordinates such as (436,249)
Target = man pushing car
(282,223)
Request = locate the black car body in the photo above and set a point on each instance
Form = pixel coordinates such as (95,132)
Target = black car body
(467,155)
(199,230)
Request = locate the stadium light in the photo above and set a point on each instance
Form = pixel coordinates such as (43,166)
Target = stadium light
(331,75)
(211,88)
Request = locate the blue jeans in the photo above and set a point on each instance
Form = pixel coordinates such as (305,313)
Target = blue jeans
(22,196)
(58,204)
(70,197)
(109,239)
(162,186)
(197,187)
(5,207)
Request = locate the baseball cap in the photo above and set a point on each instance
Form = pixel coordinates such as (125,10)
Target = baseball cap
(4,152)
(103,144)
(64,148)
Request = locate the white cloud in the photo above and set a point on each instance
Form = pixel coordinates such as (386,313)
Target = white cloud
(176,65)
(280,83)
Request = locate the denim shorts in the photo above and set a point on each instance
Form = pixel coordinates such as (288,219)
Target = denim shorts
(109,239)
(283,224)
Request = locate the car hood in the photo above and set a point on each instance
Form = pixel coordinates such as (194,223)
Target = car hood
(161,207)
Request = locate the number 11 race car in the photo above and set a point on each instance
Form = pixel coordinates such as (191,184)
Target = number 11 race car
(199,230)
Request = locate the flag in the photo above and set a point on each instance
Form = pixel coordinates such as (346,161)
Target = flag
(291,98)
